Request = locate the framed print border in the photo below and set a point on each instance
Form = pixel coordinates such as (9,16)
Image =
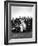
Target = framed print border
(6,22)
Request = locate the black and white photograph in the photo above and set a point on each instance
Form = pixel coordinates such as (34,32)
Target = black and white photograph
(20,22)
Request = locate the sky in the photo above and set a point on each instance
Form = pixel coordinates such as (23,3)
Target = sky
(17,11)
